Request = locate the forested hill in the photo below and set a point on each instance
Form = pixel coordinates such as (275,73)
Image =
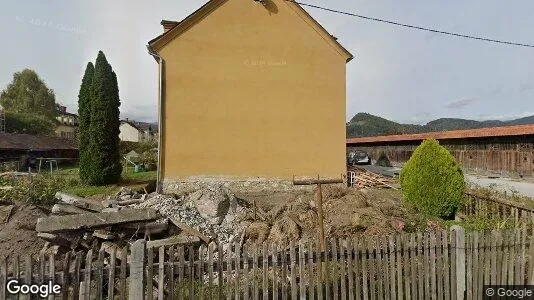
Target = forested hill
(364,124)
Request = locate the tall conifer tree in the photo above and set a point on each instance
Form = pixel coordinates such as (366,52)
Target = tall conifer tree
(104,125)
(84,121)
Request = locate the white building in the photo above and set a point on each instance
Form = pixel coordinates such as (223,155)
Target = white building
(132,131)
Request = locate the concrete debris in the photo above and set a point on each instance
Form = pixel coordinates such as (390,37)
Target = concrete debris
(67,209)
(92,220)
(79,202)
(174,240)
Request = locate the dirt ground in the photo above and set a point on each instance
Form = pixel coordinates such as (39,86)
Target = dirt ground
(279,217)
(347,212)
(18,235)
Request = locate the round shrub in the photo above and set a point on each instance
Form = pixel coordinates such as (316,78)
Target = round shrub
(432,181)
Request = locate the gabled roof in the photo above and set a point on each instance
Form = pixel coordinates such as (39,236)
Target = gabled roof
(209,7)
(141,126)
(15,141)
(518,130)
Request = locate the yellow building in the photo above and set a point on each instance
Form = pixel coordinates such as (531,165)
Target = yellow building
(250,89)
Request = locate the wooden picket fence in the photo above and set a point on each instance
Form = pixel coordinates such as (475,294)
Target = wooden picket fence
(486,206)
(442,265)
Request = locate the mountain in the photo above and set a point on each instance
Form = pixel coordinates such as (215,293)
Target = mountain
(364,124)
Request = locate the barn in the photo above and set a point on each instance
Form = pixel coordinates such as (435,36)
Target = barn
(503,150)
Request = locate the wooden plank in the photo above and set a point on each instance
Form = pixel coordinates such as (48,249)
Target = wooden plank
(343,272)
(220,254)
(150,273)
(413,265)
(357,263)
(122,278)
(210,271)
(523,260)
(170,274)
(293,270)
(65,283)
(505,258)
(511,254)
(486,259)
(99,274)
(364,262)
(517,250)
(400,288)
(229,285)
(392,268)
(319,268)
(499,253)
(191,268)
(274,257)
(350,271)
(255,271)
(52,273)
(334,270)
(87,275)
(111,274)
(246,272)
(311,277)
(379,275)
(371,266)
(493,258)
(469,265)
(76,277)
(426,264)
(237,263)
(283,278)
(530,273)
(302,261)
(439,265)
(42,274)
(476,267)
(201,256)
(446,265)
(406,267)
(179,290)
(420,268)
(327,274)
(265,270)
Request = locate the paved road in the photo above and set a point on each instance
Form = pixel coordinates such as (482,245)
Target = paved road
(503,184)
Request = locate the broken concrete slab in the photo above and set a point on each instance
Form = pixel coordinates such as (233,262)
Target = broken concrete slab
(79,202)
(174,240)
(67,209)
(93,220)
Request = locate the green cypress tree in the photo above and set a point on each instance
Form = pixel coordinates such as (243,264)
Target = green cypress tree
(84,121)
(104,128)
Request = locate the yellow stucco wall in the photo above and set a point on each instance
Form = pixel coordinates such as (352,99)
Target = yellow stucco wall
(253,91)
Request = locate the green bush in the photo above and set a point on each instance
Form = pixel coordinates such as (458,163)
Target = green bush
(432,181)
(39,190)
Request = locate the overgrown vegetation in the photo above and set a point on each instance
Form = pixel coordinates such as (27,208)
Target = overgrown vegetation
(432,181)
(37,189)
(99,135)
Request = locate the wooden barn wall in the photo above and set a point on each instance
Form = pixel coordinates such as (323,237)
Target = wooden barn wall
(507,156)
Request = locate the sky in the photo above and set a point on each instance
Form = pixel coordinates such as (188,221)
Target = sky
(398,73)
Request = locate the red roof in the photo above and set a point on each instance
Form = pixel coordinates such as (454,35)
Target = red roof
(449,135)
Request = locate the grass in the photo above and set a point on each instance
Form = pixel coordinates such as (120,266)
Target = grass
(129,178)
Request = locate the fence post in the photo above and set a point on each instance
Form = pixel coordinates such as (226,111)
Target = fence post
(460,260)
(137,270)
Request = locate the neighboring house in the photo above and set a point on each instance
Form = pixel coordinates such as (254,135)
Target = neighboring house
(132,131)
(68,124)
(250,89)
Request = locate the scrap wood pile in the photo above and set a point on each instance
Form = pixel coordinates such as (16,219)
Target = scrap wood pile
(366,178)
(83,224)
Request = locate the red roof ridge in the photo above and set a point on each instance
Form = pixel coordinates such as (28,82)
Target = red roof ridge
(515,130)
